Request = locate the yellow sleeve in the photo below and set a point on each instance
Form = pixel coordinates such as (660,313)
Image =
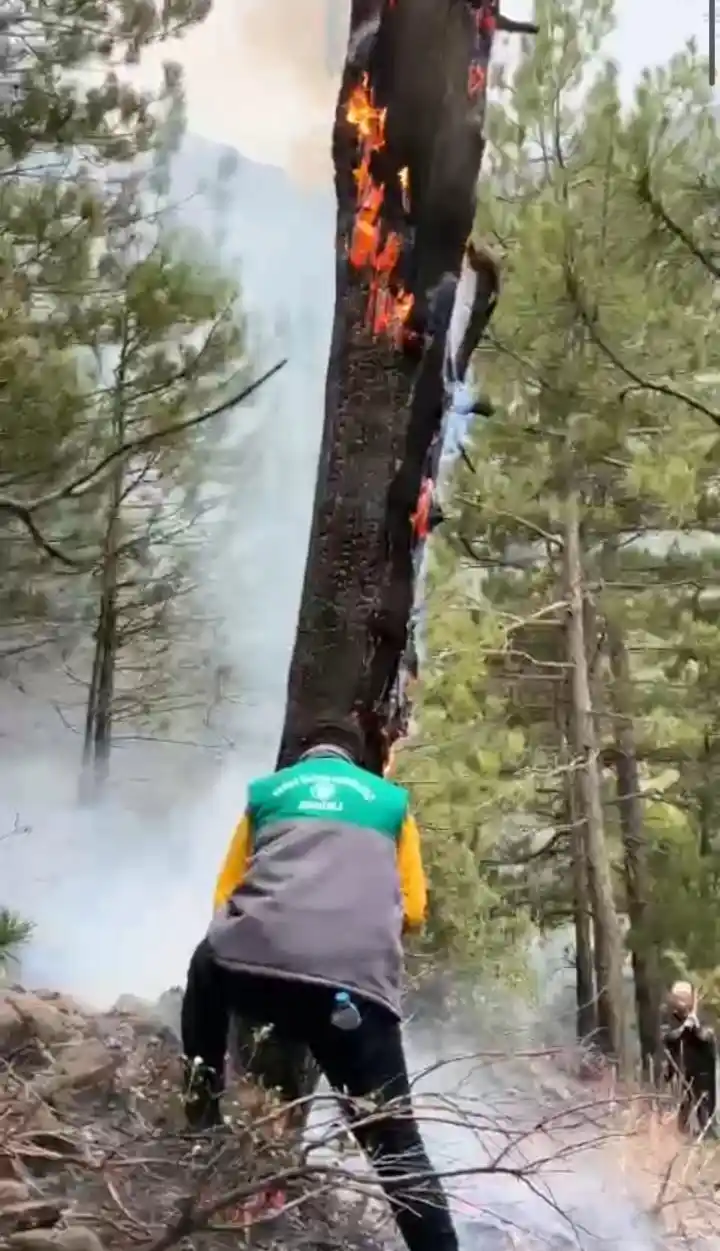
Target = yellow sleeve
(235,863)
(412,874)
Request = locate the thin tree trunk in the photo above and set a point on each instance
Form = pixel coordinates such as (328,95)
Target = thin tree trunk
(585,993)
(97,742)
(608,935)
(637,879)
(98,718)
(603,1024)
(706,797)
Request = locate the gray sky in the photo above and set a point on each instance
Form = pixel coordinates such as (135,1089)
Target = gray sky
(257,70)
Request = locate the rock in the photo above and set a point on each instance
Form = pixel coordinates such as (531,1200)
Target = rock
(147,1017)
(74,1238)
(40,1019)
(66,1004)
(30,1214)
(9,1168)
(44,1152)
(12,1193)
(78,1238)
(84,1065)
(43,1121)
(34,1240)
(12,1030)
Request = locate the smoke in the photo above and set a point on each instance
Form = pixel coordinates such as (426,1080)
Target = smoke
(121,894)
(262,76)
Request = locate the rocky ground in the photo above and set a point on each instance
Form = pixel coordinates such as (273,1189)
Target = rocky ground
(94,1155)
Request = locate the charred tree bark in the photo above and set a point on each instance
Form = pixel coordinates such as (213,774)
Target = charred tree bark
(608,936)
(637,876)
(384,396)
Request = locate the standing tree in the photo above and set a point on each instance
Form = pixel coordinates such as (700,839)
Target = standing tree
(117,337)
(161,330)
(407,145)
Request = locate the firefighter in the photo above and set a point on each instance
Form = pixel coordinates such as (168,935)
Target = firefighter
(323,875)
(691,1055)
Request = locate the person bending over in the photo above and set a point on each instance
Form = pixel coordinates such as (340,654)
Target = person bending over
(323,875)
(690,1051)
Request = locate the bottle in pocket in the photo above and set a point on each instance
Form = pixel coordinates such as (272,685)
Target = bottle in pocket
(345,1014)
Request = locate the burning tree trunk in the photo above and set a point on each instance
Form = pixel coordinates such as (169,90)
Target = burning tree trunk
(407,145)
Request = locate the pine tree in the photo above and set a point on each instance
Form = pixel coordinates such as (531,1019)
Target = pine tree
(161,329)
(599,360)
(118,335)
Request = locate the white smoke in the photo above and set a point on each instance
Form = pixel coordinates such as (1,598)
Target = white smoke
(121,894)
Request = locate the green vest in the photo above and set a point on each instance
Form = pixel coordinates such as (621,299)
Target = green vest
(327,788)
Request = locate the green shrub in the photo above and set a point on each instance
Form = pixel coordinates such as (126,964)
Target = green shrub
(14,932)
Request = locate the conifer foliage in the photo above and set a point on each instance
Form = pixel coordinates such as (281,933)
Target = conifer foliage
(568,755)
(119,334)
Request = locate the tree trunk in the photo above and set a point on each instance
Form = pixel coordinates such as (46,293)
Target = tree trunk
(637,878)
(706,797)
(585,992)
(384,394)
(608,935)
(97,743)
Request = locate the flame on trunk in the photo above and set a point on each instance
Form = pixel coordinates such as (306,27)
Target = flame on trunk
(374,248)
(421,517)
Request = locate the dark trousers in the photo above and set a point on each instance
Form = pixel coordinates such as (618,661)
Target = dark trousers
(698,1096)
(366,1061)
(691,1066)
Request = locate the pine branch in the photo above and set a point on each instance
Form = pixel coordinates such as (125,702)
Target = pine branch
(638,382)
(660,213)
(80,485)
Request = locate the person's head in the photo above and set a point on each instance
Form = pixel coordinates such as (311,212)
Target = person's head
(681,999)
(328,735)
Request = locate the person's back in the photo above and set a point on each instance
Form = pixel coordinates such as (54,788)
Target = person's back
(320,899)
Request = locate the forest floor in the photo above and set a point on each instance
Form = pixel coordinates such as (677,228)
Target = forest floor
(94,1155)
(678,1178)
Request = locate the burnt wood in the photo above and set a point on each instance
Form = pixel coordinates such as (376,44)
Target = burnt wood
(383,405)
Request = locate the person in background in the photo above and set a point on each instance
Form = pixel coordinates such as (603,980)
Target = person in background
(691,1057)
(323,876)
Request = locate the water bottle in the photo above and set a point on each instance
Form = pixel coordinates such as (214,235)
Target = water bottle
(345,1014)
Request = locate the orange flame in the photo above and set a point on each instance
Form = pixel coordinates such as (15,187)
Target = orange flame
(388,307)
(421,518)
